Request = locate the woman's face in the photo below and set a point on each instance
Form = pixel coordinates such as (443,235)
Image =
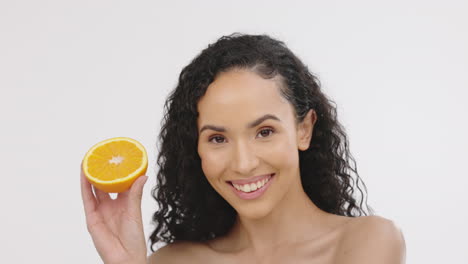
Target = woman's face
(247,132)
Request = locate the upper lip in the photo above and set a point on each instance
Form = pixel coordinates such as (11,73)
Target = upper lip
(251,180)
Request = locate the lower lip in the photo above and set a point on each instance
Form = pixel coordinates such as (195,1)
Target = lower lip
(255,194)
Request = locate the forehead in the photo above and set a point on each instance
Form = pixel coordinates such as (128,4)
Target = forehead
(241,95)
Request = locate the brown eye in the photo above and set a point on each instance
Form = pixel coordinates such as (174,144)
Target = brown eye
(266,132)
(217,139)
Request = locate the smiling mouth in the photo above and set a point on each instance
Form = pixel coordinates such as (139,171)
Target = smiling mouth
(253,185)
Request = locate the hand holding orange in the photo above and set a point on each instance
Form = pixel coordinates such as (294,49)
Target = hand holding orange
(114,164)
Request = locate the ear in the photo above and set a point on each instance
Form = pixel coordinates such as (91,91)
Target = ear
(305,129)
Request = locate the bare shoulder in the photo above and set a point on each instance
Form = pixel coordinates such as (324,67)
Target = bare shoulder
(372,239)
(178,252)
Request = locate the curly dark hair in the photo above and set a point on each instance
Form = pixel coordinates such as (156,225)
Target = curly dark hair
(187,202)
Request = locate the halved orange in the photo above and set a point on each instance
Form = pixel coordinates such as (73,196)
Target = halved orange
(114,164)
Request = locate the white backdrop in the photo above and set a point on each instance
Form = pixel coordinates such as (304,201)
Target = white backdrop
(73,73)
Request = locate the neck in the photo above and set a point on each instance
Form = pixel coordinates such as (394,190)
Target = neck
(295,219)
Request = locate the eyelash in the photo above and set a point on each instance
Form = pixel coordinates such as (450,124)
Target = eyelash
(265,129)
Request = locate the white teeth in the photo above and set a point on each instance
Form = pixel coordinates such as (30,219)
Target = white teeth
(252,186)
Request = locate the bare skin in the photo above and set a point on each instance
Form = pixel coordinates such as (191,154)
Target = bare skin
(115,225)
(315,243)
(369,239)
(283,225)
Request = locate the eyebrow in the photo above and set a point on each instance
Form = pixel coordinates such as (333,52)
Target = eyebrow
(252,124)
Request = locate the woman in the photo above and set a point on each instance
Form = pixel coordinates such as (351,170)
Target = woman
(254,168)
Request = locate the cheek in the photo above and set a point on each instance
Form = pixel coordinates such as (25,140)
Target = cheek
(283,154)
(212,164)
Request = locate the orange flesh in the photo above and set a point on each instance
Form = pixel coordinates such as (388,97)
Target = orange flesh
(114,161)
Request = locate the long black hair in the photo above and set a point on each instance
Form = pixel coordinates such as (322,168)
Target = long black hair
(189,208)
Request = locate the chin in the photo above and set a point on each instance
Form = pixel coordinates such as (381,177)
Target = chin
(253,212)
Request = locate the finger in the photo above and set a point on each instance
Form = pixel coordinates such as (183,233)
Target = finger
(101,196)
(135,184)
(89,201)
(134,195)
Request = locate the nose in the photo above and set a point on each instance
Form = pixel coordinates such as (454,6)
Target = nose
(244,159)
